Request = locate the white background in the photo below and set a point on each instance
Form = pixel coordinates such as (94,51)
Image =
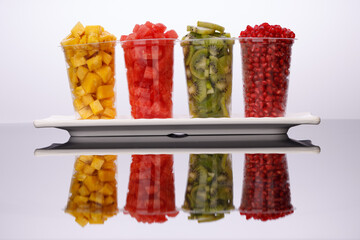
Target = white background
(324,77)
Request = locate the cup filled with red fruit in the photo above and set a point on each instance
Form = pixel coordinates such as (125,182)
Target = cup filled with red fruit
(149,60)
(208,66)
(266,55)
(266,187)
(90,57)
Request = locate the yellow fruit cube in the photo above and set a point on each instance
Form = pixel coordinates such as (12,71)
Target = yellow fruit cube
(97,197)
(87,99)
(79,91)
(69,52)
(106,58)
(81,72)
(105,91)
(83,191)
(107,37)
(85,112)
(96,218)
(108,102)
(86,158)
(97,162)
(109,200)
(107,189)
(72,77)
(75,185)
(82,221)
(80,199)
(77,61)
(83,40)
(78,104)
(94,62)
(88,170)
(91,82)
(96,107)
(70,41)
(80,176)
(79,165)
(105,73)
(96,29)
(110,157)
(106,175)
(93,38)
(93,51)
(110,113)
(92,183)
(78,30)
(81,53)
(108,165)
(94,117)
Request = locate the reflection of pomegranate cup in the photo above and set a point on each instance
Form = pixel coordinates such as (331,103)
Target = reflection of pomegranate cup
(93,194)
(266,188)
(151,195)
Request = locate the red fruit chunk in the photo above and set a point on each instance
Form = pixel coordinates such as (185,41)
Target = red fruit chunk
(266,188)
(123,37)
(136,28)
(171,34)
(159,28)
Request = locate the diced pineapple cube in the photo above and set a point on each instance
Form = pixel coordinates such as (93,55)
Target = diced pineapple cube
(108,165)
(72,77)
(105,91)
(88,170)
(87,99)
(96,218)
(109,200)
(105,73)
(78,104)
(69,52)
(81,72)
(110,157)
(80,199)
(91,82)
(93,38)
(106,58)
(86,158)
(77,61)
(82,221)
(83,40)
(94,117)
(93,51)
(110,113)
(80,176)
(107,37)
(107,189)
(97,162)
(81,53)
(83,191)
(94,62)
(78,30)
(85,112)
(70,41)
(97,197)
(97,29)
(79,91)
(92,183)
(106,175)
(75,185)
(108,102)
(79,165)
(96,107)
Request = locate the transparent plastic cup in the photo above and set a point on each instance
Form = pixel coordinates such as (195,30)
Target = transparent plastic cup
(266,188)
(266,69)
(208,68)
(149,64)
(151,193)
(209,191)
(93,189)
(91,72)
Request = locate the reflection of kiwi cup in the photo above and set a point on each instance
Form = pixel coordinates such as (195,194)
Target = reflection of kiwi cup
(209,191)
(208,68)
(151,195)
(93,193)
(266,188)
(91,72)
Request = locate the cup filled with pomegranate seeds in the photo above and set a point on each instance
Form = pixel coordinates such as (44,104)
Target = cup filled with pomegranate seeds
(266,55)
(149,59)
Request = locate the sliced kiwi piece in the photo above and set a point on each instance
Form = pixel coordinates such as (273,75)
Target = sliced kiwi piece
(200,30)
(215,46)
(214,26)
(199,65)
(201,90)
(225,63)
(189,55)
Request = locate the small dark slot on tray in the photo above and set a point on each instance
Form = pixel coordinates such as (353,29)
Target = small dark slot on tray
(177,135)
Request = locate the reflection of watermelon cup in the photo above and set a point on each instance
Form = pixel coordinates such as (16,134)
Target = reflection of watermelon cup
(151,195)
(266,188)
(149,64)
(209,191)
(208,68)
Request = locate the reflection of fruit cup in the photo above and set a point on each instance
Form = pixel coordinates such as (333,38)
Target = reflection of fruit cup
(149,64)
(208,68)
(266,188)
(151,195)
(91,72)
(93,194)
(209,191)
(266,65)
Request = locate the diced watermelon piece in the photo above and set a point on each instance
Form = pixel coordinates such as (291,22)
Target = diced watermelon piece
(136,28)
(159,28)
(171,34)
(123,37)
(142,32)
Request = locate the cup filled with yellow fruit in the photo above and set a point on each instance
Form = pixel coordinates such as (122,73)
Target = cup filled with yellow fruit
(90,58)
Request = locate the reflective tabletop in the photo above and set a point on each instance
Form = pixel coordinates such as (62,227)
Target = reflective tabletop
(304,185)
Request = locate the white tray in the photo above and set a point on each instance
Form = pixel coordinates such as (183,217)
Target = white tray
(176,126)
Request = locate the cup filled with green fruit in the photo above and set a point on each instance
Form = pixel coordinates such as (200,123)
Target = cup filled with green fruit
(209,191)
(208,54)
(90,57)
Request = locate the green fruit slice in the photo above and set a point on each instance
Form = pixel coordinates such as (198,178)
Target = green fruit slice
(200,30)
(214,26)
(200,89)
(199,64)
